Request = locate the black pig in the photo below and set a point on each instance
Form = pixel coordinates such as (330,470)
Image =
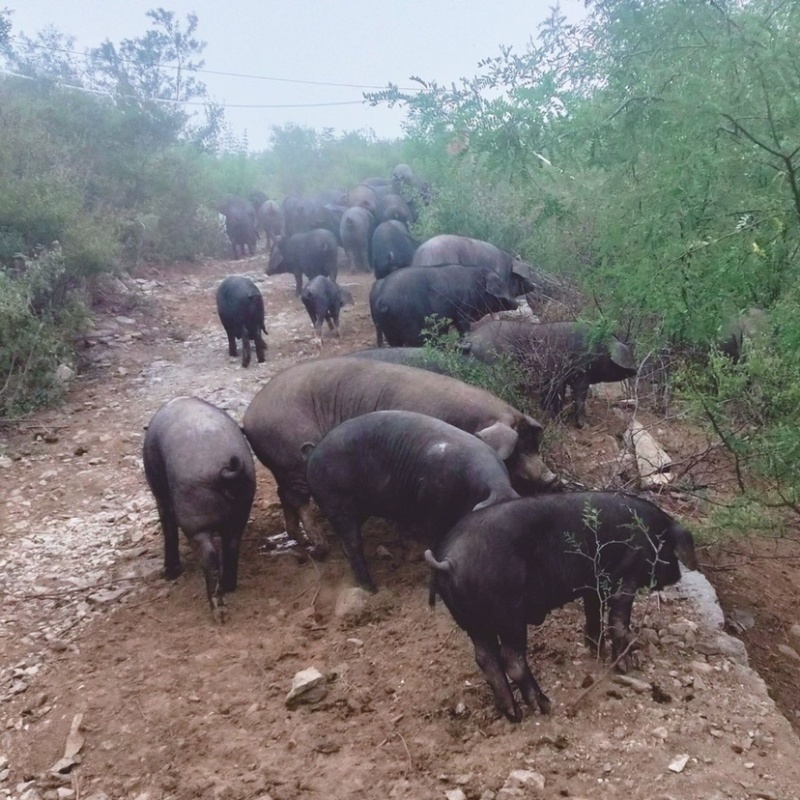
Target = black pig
(506,567)
(200,470)
(405,467)
(554,355)
(241,311)
(323,300)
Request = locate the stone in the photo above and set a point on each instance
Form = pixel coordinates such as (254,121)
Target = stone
(519,783)
(65,793)
(455,794)
(106,597)
(794,632)
(64,374)
(723,645)
(703,667)
(3,762)
(640,687)
(790,652)
(308,686)
(678,763)
(351,602)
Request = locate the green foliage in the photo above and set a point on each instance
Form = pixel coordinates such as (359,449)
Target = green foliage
(650,154)
(40,312)
(302,161)
(503,379)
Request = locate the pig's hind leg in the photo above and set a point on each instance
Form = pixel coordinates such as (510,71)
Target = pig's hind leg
(487,655)
(513,645)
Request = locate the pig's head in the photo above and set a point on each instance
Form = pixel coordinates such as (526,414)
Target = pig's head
(498,297)
(519,448)
(277,257)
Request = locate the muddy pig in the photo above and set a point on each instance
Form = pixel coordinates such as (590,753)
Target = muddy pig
(200,470)
(241,311)
(402,466)
(506,567)
(323,300)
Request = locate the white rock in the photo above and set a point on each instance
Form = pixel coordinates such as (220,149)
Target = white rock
(519,782)
(679,763)
(64,374)
(794,632)
(3,762)
(789,651)
(308,686)
(455,794)
(641,687)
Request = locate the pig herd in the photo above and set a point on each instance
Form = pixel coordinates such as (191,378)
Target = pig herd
(387,433)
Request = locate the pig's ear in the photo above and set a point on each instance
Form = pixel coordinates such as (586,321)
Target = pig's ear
(500,437)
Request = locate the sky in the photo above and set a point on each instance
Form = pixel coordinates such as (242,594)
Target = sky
(360,42)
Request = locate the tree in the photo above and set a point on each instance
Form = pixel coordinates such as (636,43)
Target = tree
(156,66)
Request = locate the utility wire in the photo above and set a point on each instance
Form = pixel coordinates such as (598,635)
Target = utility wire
(229,74)
(165,101)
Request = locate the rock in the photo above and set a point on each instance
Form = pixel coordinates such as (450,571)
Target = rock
(455,794)
(721,644)
(519,784)
(790,652)
(681,629)
(106,597)
(640,687)
(351,602)
(741,619)
(64,793)
(30,794)
(308,686)
(64,374)
(3,762)
(794,632)
(461,709)
(652,462)
(703,667)
(679,763)
(384,553)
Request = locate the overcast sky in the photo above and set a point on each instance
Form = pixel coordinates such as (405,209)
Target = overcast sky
(336,41)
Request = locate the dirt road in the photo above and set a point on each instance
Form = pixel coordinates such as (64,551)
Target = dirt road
(173,705)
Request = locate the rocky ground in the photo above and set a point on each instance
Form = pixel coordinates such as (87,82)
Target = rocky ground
(117,684)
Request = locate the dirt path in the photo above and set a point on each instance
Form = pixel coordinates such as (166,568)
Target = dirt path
(173,705)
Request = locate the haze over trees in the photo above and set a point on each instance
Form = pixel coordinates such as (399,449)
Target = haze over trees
(648,154)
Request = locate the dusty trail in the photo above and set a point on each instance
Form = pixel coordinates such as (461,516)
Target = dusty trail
(175,706)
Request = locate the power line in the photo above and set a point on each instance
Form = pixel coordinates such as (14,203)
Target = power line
(230,74)
(105,93)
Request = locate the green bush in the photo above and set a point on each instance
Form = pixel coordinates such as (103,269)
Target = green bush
(40,312)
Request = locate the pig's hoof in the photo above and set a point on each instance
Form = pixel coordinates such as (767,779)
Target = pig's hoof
(171,573)
(218,610)
(514,713)
(543,701)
